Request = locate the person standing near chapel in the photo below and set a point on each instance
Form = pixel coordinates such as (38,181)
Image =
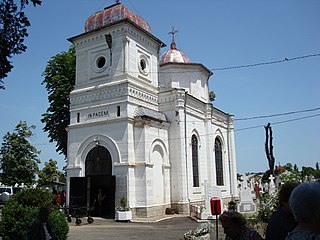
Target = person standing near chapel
(235,228)
(282,221)
(40,229)
(100,199)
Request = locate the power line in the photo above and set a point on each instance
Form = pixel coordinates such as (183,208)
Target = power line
(264,116)
(277,114)
(232,67)
(134,7)
(203,135)
(275,123)
(296,119)
(266,63)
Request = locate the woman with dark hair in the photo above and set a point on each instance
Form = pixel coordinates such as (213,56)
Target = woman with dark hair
(282,221)
(234,225)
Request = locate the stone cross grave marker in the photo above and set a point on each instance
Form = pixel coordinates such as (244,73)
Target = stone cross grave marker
(246,203)
(272,186)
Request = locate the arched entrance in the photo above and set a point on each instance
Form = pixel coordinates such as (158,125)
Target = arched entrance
(98,170)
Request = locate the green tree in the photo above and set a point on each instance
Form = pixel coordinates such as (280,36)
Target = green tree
(307,171)
(18,158)
(49,173)
(13,31)
(291,176)
(289,167)
(59,80)
(212,96)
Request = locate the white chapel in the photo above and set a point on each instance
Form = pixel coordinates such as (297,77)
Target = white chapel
(142,125)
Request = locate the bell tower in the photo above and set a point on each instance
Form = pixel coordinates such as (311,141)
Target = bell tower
(116,72)
(117,57)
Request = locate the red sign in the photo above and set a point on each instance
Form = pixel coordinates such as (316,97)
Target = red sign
(215,204)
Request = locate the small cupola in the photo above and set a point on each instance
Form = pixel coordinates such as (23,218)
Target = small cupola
(174,55)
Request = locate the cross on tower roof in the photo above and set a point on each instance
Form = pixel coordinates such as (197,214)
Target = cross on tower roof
(172,33)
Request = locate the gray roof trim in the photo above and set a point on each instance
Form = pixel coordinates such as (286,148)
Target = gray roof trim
(145,112)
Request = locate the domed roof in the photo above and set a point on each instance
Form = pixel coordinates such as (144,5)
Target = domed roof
(111,14)
(174,55)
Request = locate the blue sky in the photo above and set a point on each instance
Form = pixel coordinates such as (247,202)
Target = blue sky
(217,34)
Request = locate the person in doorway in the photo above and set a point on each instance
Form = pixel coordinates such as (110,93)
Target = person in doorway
(235,228)
(282,221)
(100,199)
(59,198)
(62,198)
(40,229)
(304,202)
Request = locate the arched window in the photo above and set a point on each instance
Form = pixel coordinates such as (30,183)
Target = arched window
(219,166)
(195,169)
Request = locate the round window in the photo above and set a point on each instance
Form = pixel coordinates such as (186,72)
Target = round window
(143,65)
(101,62)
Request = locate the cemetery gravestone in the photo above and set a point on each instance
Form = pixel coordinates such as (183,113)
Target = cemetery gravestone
(210,191)
(272,186)
(246,203)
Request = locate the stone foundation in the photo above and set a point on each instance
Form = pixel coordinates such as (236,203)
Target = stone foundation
(182,208)
(160,210)
(149,212)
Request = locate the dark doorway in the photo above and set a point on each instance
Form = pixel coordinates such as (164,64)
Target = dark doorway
(106,206)
(84,190)
(78,192)
(99,178)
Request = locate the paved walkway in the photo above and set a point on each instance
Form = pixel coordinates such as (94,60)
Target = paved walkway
(172,227)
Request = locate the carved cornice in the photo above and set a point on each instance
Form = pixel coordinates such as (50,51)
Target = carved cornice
(110,93)
(196,105)
(96,37)
(142,95)
(116,31)
(143,103)
(135,95)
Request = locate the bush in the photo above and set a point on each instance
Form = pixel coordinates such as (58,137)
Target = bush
(201,230)
(22,209)
(59,225)
(268,204)
(16,220)
(124,204)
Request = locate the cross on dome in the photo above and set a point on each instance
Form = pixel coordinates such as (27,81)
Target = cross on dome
(174,55)
(173,44)
(172,33)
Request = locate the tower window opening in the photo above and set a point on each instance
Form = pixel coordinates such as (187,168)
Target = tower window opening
(143,64)
(118,111)
(101,62)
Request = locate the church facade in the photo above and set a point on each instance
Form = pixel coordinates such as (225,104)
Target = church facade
(142,125)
